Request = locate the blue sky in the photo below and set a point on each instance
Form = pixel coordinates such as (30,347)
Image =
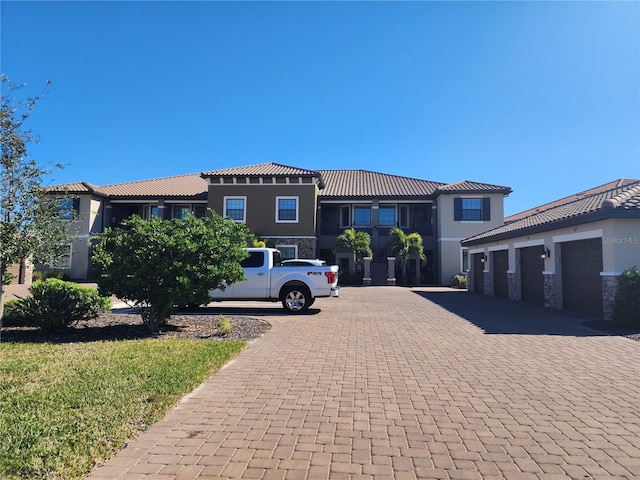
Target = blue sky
(543,97)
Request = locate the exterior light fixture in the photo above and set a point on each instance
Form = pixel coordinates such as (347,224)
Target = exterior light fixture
(546,253)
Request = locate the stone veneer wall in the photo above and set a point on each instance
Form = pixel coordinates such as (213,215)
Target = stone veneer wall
(511,286)
(549,290)
(609,288)
(306,246)
(488,282)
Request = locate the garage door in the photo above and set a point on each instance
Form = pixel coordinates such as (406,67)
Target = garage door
(531,279)
(478,274)
(500,267)
(581,282)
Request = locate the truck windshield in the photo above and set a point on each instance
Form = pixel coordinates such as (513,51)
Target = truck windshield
(277,258)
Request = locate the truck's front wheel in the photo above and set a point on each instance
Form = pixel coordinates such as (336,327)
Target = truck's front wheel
(296,299)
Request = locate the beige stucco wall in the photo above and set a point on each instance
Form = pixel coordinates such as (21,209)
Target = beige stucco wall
(451,232)
(620,247)
(261,206)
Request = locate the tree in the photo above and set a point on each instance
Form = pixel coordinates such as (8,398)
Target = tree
(404,246)
(157,264)
(356,243)
(30,226)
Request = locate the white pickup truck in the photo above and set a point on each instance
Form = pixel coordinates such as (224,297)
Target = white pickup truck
(296,285)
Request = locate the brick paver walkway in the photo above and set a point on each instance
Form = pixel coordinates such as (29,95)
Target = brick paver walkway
(394,383)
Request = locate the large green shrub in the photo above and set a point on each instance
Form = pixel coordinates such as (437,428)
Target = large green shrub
(54,304)
(157,264)
(627,303)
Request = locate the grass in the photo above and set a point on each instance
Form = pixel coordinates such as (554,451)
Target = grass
(66,407)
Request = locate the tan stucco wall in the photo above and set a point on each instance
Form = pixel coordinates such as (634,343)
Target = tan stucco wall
(261,207)
(451,232)
(620,247)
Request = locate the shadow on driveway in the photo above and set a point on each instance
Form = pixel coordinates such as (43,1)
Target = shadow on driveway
(496,315)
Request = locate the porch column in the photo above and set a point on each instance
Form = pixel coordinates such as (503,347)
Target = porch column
(391,270)
(366,281)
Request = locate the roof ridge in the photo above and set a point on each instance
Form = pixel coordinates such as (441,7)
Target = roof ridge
(378,173)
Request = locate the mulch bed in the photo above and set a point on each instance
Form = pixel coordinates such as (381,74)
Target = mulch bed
(128,326)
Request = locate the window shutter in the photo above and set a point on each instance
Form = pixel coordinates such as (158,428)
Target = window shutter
(457,209)
(486,209)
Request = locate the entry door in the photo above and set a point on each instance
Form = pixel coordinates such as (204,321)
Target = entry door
(581,282)
(531,279)
(500,279)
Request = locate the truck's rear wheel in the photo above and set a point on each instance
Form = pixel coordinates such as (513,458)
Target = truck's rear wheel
(296,299)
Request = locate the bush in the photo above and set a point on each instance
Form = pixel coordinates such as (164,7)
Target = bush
(54,304)
(627,303)
(39,275)
(12,316)
(223,325)
(459,281)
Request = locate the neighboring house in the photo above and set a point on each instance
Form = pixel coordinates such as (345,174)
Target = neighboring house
(302,211)
(566,254)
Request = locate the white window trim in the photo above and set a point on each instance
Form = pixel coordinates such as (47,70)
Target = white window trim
(297,199)
(400,207)
(363,225)
(395,216)
(244,203)
(295,248)
(348,207)
(58,265)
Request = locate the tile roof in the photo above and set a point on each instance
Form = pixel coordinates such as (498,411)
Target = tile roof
(363,183)
(262,169)
(77,187)
(621,200)
(181,186)
(468,186)
(576,196)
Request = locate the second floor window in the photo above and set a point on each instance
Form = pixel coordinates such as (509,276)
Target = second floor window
(235,208)
(362,216)
(68,208)
(387,216)
(472,209)
(181,211)
(286,209)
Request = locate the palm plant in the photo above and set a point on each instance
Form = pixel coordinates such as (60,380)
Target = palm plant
(403,246)
(356,243)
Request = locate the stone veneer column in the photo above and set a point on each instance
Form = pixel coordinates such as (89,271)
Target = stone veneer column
(488,282)
(609,289)
(511,283)
(549,289)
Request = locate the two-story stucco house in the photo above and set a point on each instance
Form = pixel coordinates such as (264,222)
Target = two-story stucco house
(302,211)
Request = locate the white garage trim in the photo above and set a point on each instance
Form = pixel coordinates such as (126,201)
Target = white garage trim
(529,243)
(570,237)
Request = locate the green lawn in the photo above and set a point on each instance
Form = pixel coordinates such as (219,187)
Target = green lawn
(64,407)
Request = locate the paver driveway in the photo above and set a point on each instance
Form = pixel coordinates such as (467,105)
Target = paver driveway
(389,382)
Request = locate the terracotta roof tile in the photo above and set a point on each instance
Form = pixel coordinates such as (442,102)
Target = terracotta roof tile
(621,198)
(77,187)
(474,187)
(262,169)
(181,186)
(576,196)
(363,183)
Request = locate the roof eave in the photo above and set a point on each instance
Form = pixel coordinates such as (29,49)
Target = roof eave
(601,214)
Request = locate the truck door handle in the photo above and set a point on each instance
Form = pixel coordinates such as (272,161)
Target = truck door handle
(261,274)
